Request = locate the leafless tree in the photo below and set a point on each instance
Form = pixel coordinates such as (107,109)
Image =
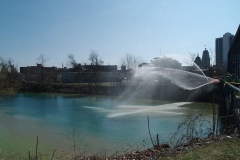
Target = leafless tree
(192,56)
(71,61)
(94,58)
(42,60)
(88,76)
(130,61)
(8,78)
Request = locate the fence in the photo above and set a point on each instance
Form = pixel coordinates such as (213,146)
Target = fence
(228,95)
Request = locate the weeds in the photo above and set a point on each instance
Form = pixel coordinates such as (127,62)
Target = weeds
(193,127)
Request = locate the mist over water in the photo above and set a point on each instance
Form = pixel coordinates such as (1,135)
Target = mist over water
(180,78)
(176,69)
(143,110)
(170,77)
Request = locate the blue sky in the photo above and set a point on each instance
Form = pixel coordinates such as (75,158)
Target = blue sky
(144,28)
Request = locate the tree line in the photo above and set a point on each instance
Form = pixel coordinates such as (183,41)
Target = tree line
(131,61)
(9,76)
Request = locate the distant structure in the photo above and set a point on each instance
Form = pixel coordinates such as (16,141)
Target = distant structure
(205,61)
(38,73)
(222,46)
(198,60)
(79,74)
(234,55)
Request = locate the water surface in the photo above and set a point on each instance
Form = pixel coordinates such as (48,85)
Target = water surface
(98,124)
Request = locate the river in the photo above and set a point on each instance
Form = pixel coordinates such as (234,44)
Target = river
(98,124)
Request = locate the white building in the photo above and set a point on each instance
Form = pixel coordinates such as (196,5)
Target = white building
(222,46)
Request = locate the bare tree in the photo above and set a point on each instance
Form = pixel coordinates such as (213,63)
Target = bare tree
(71,61)
(8,78)
(42,60)
(94,58)
(89,76)
(192,57)
(130,61)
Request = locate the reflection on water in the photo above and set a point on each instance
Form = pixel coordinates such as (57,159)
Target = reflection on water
(100,122)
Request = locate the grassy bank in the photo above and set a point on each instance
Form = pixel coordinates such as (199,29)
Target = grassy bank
(225,147)
(222,147)
(228,148)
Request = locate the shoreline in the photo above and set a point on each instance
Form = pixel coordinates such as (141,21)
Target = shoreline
(155,92)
